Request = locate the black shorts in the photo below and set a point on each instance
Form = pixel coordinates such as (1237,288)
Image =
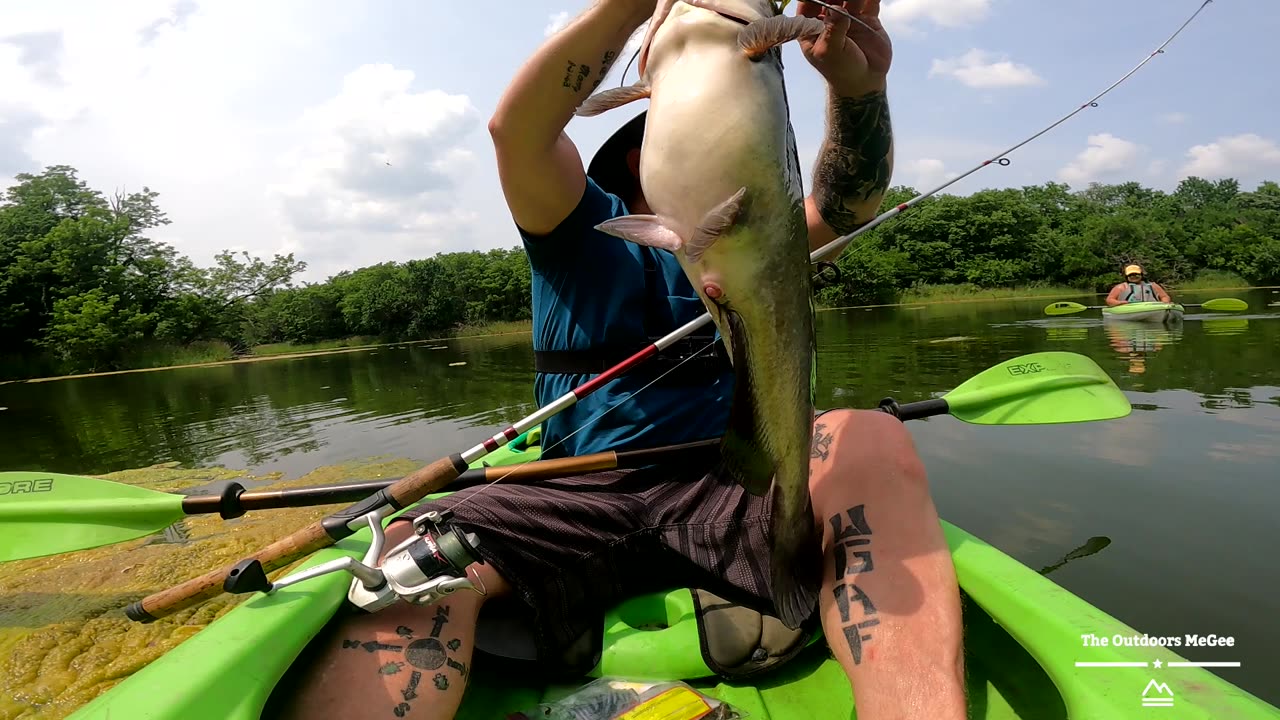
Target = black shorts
(573,548)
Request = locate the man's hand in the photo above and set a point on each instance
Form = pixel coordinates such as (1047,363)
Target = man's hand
(853,57)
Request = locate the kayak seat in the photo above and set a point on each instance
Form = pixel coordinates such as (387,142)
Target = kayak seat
(679,634)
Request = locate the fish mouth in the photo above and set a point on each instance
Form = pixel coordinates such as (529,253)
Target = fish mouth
(730,16)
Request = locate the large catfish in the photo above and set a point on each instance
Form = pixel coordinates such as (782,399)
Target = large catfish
(719,170)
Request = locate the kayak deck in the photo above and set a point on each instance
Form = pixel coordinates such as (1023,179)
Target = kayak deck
(1022,640)
(1151,312)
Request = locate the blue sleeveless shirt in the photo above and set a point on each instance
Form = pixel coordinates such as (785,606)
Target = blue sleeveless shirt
(589,289)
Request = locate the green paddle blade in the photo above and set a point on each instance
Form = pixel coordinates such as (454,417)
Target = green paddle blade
(1225,305)
(1038,389)
(1064,307)
(49,513)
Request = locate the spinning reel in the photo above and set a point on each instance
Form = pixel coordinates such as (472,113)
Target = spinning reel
(425,567)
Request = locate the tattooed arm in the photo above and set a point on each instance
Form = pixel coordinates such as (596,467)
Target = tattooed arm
(856,159)
(539,167)
(853,168)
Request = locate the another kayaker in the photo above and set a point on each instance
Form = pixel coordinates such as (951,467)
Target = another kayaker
(1136,288)
(560,553)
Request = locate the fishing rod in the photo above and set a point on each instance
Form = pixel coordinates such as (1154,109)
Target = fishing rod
(433,477)
(998,158)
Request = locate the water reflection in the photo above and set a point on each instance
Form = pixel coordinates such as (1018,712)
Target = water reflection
(1134,342)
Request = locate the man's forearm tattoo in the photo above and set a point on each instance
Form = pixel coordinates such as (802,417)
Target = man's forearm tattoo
(853,165)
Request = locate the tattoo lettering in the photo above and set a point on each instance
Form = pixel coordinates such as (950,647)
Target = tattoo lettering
(853,165)
(371,646)
(821,449)
(411,691)
(851,530)
(442,617)
(568,75)
(583,72)
(859,562)
(606,64)
(858,526)
(462,669)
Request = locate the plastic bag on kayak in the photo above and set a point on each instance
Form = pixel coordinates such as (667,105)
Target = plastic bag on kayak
(610,699)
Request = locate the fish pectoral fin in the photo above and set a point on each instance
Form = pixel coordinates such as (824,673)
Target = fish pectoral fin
(610,99)
(761,36)
(744,457)
(642,230)
(715,224)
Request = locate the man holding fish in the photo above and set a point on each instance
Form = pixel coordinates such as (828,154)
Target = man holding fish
(694,205)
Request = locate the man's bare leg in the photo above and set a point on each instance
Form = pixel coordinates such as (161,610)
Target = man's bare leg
(890,602)
(407,661)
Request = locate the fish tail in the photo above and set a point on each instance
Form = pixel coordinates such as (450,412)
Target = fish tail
(796,561)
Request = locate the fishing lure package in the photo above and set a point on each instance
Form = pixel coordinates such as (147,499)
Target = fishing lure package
(612,699)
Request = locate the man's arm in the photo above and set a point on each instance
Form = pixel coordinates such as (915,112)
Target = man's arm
(853,169)
(540,169)
(856,159)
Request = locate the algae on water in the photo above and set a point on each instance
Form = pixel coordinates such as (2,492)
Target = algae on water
(64,638)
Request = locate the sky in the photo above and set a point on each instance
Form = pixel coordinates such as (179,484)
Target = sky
(354,133)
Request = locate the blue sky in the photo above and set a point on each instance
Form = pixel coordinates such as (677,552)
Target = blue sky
(268,126)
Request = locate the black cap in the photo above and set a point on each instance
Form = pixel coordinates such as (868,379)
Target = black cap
(609,165)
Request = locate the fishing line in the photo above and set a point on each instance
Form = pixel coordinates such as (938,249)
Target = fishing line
(999,159)
(560,442)
(841,242)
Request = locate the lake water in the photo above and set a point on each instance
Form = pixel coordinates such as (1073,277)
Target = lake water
(1186,488)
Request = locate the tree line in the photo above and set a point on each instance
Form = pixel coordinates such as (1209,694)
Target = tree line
(1047,234)
(82,287)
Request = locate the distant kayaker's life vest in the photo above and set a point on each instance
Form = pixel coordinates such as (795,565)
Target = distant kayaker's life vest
(1140,292)
(597,300)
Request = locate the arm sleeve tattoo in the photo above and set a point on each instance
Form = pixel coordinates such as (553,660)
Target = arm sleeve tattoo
(853,165)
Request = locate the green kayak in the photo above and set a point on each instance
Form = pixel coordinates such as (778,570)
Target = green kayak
(1023,652)
(1147,312)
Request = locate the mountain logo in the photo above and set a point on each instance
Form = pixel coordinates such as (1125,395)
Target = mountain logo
(1157,698)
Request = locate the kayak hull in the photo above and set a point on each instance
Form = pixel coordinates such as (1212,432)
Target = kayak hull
(1022,640)
(1145,312)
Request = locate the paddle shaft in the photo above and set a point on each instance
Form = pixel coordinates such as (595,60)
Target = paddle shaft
(434,477)
(234,501)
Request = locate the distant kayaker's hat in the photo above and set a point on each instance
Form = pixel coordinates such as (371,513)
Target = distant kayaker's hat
(1132,270)
(609,165)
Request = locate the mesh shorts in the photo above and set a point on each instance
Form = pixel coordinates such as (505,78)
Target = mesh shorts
(575,547)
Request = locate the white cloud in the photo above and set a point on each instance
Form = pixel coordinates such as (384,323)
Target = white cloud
(40,53)
(1245,157)
(927,173)
(556,23)
(376,165)
(1174,118)
(943,13)
(177,18)
(1106,156)
(981,69)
